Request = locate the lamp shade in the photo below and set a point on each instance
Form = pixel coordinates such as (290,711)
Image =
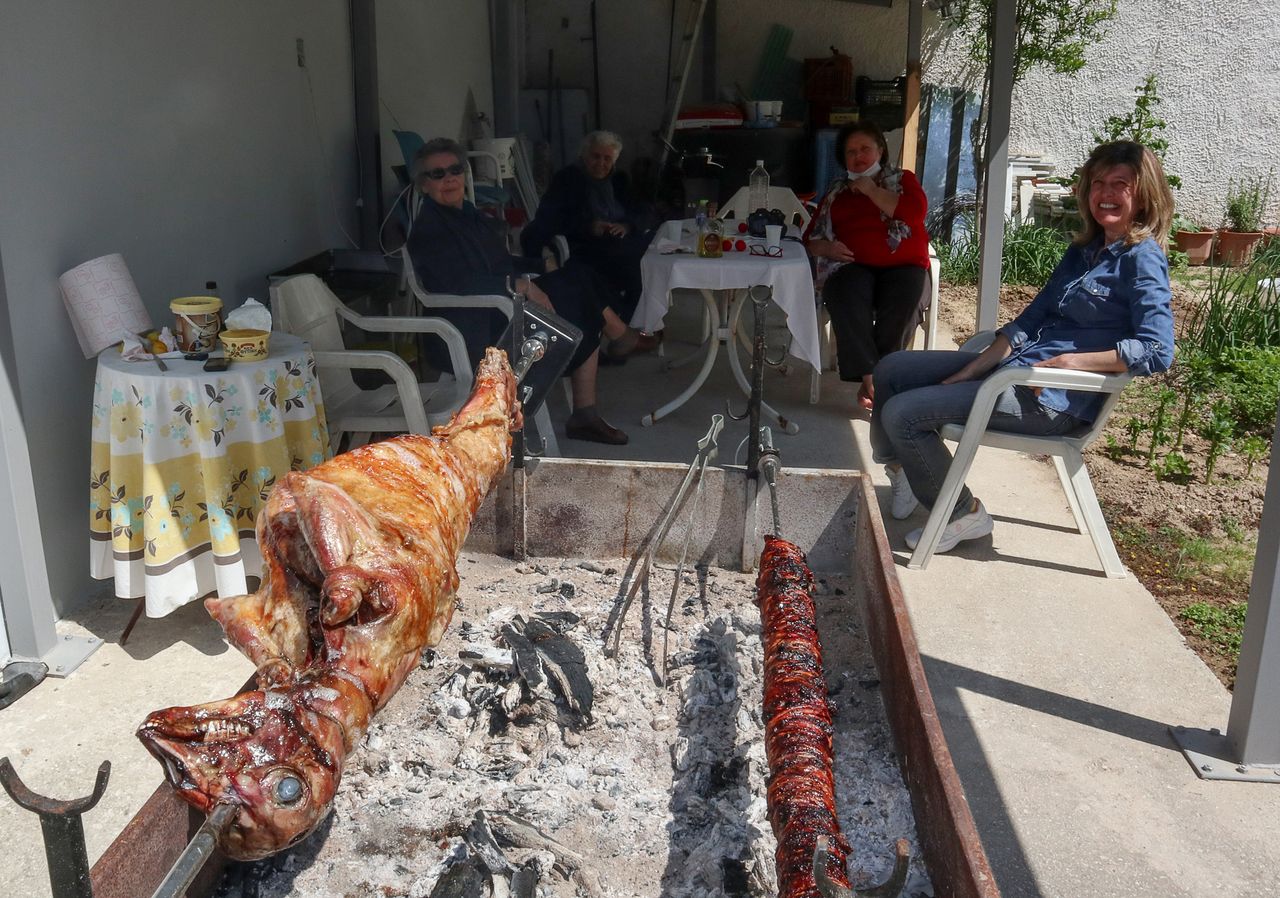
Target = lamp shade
(103,302)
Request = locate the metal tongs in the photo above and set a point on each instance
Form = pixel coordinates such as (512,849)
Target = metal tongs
(707,449)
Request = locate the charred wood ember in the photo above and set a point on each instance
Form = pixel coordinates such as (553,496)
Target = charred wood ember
(360,575)
(798,726)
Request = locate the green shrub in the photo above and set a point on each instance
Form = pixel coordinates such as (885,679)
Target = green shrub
(1174,467)
(1237,309)
(1030,254)
(1143,125)
(1250,379)
(1247,200)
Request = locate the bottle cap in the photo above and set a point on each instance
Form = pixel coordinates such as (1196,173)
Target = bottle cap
(760,163)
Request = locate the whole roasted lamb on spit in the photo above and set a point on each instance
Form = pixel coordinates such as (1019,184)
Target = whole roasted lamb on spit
(359,576)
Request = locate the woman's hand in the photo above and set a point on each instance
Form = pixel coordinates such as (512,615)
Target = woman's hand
(886,200)
(532,292)
(830,249)
(863,185)
(986,360)
(602,228)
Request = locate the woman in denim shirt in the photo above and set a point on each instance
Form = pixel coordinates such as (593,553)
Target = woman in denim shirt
(1105,309)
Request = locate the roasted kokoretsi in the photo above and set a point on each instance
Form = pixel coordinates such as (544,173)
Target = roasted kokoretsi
(798,726)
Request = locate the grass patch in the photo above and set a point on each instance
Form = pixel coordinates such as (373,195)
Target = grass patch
(1222,626)
(1198,580)
(1029,257)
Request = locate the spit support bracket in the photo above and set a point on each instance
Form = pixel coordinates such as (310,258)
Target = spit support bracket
(769,466)
(890,888)
(63,832)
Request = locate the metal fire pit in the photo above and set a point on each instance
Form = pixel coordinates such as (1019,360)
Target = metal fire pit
(553,509)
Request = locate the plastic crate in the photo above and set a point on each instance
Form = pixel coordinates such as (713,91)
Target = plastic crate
(828,79)
(870,92)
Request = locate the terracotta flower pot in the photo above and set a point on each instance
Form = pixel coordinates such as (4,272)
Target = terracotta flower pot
(1236,247)
(1198,245)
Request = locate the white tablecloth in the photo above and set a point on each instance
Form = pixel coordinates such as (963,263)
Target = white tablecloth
(789,276)
(182,461)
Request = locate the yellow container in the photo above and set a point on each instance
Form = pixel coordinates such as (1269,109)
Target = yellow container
(245,345)
(197,320)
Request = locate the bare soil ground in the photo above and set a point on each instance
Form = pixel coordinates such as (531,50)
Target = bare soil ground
(1151,518)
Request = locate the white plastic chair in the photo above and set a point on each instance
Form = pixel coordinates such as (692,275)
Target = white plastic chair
(1067,452)
(780,198)
(306,308)
(435,302)
(826,339)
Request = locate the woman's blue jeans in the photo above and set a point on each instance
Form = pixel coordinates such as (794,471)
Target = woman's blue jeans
(912,405)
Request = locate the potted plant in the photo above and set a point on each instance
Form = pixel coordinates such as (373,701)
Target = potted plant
(1246,202)
(1192,239)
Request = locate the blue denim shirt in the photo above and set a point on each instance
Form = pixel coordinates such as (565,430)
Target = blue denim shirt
(1098,298)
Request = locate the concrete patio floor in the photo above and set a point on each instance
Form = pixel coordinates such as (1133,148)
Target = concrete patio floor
(1055,685)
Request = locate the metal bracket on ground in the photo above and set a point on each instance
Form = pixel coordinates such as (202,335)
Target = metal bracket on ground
(1214,758)
(69,653)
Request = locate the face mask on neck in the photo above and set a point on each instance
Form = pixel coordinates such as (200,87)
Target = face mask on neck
(869,173)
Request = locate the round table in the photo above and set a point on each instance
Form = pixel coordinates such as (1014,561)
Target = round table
(182,460)
(666,266)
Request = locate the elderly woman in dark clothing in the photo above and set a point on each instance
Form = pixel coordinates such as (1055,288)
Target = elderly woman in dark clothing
(456,250)
(591,203)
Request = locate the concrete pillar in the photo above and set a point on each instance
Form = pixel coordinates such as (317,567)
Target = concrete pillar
(999,107)
(1253,728)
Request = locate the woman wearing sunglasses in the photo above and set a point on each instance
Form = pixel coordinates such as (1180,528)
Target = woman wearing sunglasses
(456,250)
(871,254)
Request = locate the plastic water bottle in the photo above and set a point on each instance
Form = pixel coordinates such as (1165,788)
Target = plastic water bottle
(758,191)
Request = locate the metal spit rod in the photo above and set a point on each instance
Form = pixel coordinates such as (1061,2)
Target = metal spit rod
(759,295)
(769,466)
(193,857)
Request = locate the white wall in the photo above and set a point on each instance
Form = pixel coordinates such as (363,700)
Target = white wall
(180,134)
(1218,67)
(434,72)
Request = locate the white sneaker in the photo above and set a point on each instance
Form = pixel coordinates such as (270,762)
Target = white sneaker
(973,525)
(904,500)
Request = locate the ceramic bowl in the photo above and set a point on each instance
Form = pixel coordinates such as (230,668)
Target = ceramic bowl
(245,345)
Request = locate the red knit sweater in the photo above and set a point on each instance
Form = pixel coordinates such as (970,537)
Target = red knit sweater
(856,223)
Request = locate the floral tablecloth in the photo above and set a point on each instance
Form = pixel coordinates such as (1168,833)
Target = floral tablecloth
(182,460)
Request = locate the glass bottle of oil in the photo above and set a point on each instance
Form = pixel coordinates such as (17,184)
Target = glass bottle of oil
(710,238)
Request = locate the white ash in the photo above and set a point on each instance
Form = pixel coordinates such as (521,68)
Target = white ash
(661,792)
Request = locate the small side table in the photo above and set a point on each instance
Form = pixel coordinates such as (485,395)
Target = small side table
(183,459)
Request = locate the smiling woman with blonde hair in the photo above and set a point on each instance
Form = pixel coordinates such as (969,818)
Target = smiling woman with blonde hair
(1105,308)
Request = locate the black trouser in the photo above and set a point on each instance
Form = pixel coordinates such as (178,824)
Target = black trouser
(873,311)
(617,261)
(579,298)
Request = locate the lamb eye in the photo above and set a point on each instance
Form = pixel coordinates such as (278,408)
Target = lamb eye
(288,790)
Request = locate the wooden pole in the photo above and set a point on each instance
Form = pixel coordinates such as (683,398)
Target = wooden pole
(911,119)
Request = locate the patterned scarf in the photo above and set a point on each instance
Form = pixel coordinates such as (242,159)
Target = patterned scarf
(890,178)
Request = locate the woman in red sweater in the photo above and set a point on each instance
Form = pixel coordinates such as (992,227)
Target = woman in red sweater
(871,253)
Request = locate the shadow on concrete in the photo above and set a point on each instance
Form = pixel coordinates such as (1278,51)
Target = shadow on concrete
(107,617)
(1040,525)
(1004,847)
